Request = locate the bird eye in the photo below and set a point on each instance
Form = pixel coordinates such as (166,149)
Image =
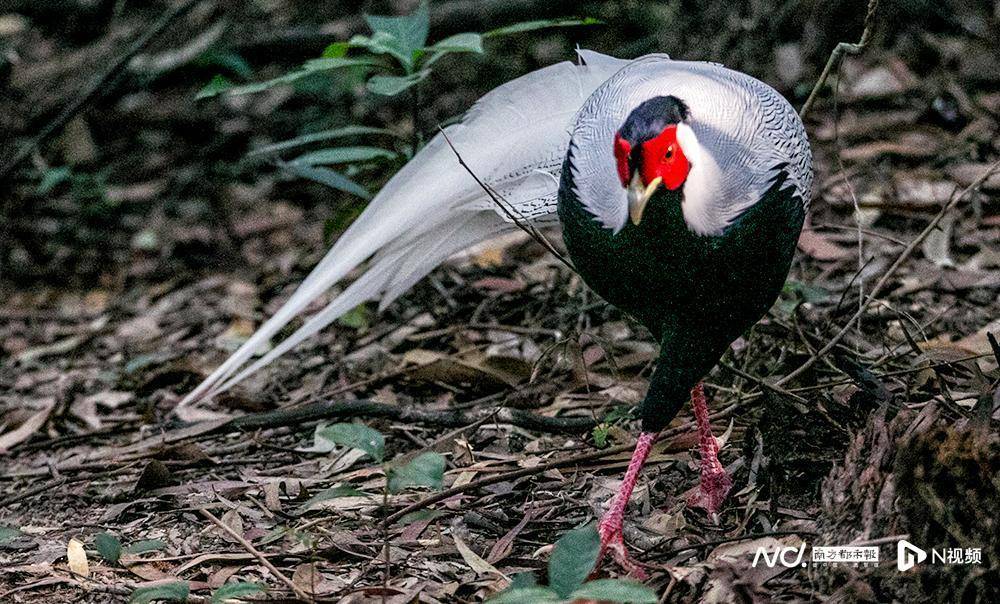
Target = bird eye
(670,152)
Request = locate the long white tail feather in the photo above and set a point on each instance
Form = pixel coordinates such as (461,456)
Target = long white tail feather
(514,138)
(390,276)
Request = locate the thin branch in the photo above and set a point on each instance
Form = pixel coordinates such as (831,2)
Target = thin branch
(509,209)
(370,409)
(889,273)
(763,383)
(256,554)
(838,55)
(97,87)
(541,468)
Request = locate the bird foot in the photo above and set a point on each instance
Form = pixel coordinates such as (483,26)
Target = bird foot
(712,490)
(612,541)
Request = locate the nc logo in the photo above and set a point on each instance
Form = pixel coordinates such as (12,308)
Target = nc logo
(781,554)
(908,555)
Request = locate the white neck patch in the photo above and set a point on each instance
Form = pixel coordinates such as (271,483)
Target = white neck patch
(702,187)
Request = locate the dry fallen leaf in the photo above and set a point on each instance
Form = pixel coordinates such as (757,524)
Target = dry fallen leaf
(820,247)
(234,521)
(29,427)
(77,558)
(482,567)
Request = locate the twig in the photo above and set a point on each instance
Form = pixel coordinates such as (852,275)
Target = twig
(365,408)
(762,383)
(556,463)
(505,476)
(256,554)
(97,87)
(509,209)
(300,416)
(889,273)
(42,488)
(838,54)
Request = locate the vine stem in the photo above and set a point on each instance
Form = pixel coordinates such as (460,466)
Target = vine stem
(889,273)
(843,48)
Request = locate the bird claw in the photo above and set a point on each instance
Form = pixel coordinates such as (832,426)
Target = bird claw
(712,490)
(612,541)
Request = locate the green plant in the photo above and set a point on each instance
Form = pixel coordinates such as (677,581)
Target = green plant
(618,415)
(574,555)
(110,548)
(426,469)
(395,59)
(169,592)
(178,591)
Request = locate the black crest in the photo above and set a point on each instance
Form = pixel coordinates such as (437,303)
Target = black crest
(650,118)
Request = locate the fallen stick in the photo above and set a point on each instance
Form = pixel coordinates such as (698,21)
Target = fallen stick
(256,554)
(371,409)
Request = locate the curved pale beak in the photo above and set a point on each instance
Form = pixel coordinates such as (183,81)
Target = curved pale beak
(638,196)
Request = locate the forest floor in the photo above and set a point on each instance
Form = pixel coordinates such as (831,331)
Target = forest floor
(502,361)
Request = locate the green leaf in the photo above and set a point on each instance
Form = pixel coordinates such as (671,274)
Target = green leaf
(146,545)
(329,63)
(420,515)
(217,86)
(342,218)
(466,42)
(171,592)
(232,591)
(358,317)
(426,470)
(108,546)
(220,85)
(795,293)
(806,291)
(331,493)
(405,35)
(526,595)
(573,557)
(274,535)
(381,43)
(525,26)
(229,60)
(356,436)
(524,580)
(615,590)
(52,178)
(336,50)
(600,434)
(8,534)
(343,155)
(328,177)
(314,137)
(393,85)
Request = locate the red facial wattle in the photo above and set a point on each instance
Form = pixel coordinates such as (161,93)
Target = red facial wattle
(663,157)
(622,151)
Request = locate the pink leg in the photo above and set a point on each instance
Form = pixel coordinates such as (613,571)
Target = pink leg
(715,483)
(610,527)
